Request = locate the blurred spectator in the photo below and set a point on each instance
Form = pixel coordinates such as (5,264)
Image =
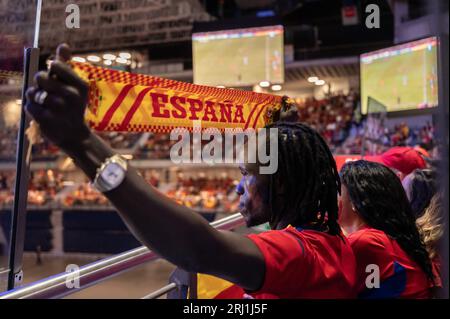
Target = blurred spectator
(43,186)
(85,195)
(431,223)
(8,137)
(204,193)
(3,182)
(151,176)
(46,151)
(431,226)
(420,186)
(200,193)
(403,160)
(120,140)
(331,116)
(422,138)
(157,146)
(42,151)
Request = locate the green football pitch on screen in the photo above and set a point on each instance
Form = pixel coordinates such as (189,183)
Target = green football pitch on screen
(240,57)
(403,77)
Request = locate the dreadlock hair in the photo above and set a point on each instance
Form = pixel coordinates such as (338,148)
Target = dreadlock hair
(379,198)
(303,191)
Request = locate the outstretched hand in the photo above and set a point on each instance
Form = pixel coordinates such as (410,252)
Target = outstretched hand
(57,102)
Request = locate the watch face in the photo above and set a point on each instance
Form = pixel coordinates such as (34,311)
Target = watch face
(113,174)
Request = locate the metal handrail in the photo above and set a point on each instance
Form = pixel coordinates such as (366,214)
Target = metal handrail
(162,291)
(57,286)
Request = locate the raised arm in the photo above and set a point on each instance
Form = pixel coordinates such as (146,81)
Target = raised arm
(173,231)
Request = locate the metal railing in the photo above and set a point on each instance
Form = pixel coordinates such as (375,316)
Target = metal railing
(162,291)
(57,286)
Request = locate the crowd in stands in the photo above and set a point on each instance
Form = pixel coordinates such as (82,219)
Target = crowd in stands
(6,182)
(43,186)
(84,195)
(333,117)
(8,144)
(46,151)
(120,140)
(152,177)
(41,151)
(157,146)
(206,194)
(330,116)
(200,193)
(400,135)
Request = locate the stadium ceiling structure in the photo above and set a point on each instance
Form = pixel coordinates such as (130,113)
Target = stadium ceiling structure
(322,68)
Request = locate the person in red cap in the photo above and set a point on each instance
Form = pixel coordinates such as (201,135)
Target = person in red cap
(422,151)
(402,160)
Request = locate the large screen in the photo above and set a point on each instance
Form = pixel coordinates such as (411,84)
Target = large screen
(240,57)
(400,78)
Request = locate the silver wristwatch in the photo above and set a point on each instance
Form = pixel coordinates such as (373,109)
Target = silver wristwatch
(110,174)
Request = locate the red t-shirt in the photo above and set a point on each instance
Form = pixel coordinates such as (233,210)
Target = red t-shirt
(400,276)
(304,263)
(436,265)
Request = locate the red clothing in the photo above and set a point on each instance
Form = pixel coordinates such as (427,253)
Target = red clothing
(303,263)
(436,265)
(400,276)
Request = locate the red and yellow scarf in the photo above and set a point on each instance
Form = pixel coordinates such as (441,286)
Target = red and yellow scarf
(127,102)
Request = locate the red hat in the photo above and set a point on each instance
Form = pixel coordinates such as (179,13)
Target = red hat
(422,151)
(403,159)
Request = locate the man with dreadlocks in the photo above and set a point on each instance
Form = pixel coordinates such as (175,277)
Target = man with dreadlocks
(304,256)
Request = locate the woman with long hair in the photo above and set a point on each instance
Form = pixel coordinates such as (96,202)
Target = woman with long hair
(420,187)
(431,227)
(392,261)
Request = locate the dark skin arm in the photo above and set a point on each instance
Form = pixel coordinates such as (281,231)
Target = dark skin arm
(173,231)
